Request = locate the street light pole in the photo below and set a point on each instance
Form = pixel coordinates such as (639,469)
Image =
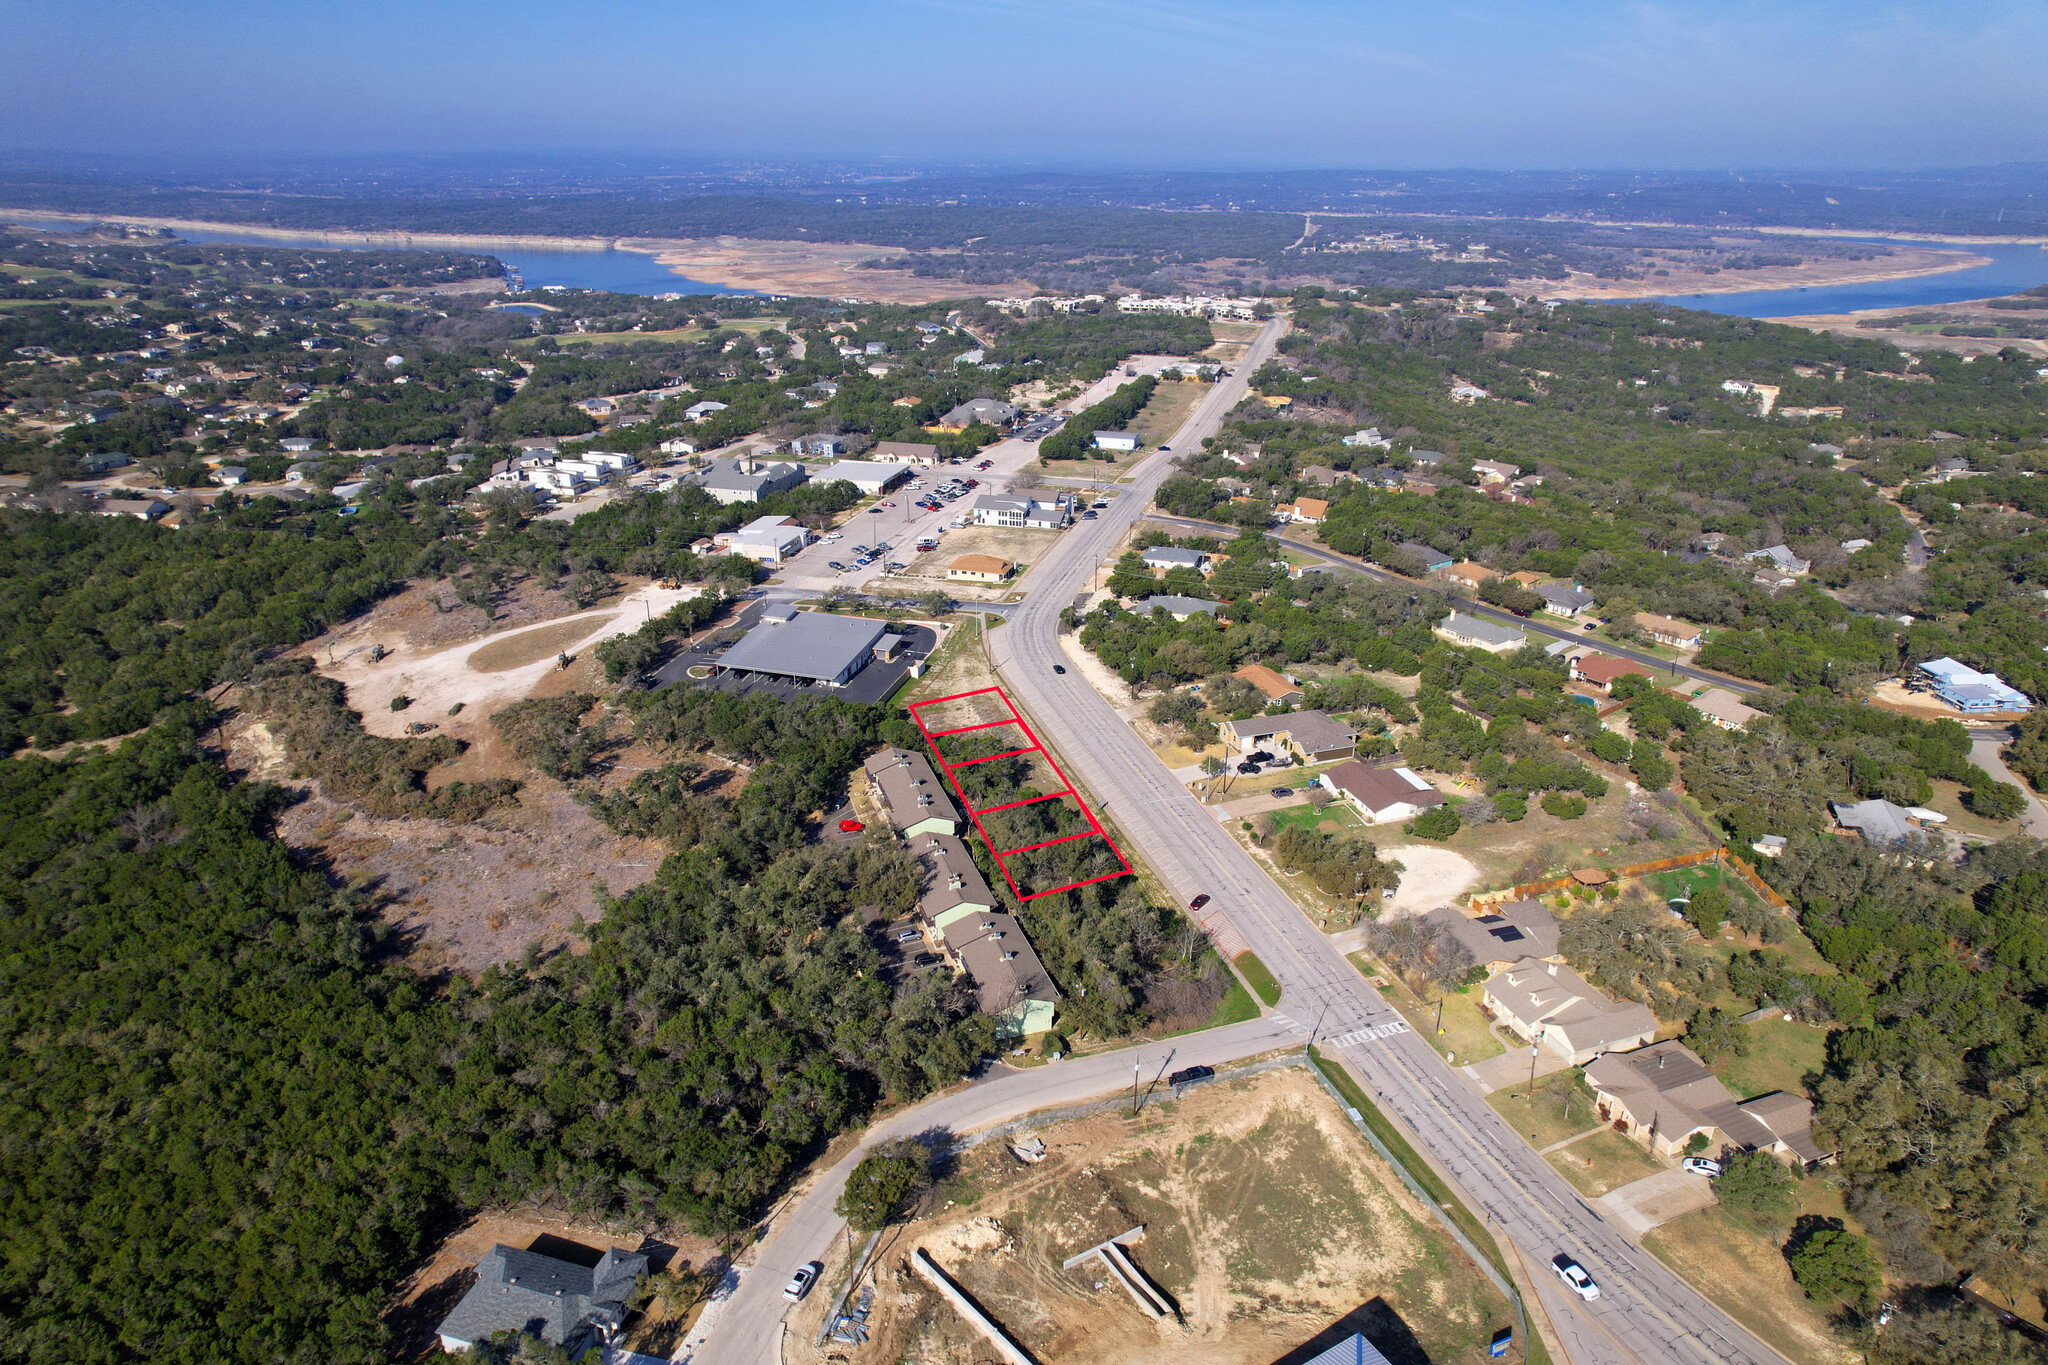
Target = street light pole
(1134,1086)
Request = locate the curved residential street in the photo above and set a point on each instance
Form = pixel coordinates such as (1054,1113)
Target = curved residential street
(1645,1313)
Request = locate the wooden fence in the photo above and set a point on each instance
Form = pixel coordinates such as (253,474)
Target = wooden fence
(1528,889)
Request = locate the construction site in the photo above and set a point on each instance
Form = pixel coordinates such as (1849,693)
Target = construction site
(1230,1224)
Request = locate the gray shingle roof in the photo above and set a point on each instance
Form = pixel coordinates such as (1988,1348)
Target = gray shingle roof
(1509,933)
(1473,628)
(1178,606)
(911,791)
(558,1301)
(814,644)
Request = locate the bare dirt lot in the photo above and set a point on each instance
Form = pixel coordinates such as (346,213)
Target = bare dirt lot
(831,269)
(1015,544)
(1267,1220)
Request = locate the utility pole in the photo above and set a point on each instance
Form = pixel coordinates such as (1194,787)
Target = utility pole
(1535,1046)
(1134,1086)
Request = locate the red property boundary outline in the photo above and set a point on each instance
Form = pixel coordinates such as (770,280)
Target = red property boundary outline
(931,739)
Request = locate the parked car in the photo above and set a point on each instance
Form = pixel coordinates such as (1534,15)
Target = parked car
(835,564)
(1191,1073)
(909,935)
(1088,516)
(851,826)
(1248,768)
(801,1282)
(1199,901)
(1259,756)
(1101,502)
(1575,1277)
(1166,447)
(1059,668)
(1281,791)
(926,960)
(895,566)
(1703,1165)
(835,535)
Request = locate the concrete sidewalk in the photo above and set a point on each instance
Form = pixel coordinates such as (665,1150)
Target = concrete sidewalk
(1512,1068)
(1643,1204)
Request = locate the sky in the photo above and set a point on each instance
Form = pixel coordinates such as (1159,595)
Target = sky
(1163,84)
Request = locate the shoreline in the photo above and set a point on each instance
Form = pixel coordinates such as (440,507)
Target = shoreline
(398,240)
(1609,290)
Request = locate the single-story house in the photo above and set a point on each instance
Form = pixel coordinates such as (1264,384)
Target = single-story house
(596,407)
(1310,510)
(1474,633)
(103,461)
(1470,574)
(869,476)
(1880,822)
(1022,509)
(910,794)
(1495,471)
(1552,1006)
(1278,687)
(979,569)
(1117,440)
(765,540)
(906,452)
(1782,559)
(1322,475)
(1503,935)
(1369,437)
(1313,736)
(1966,689)
(1428,459)
(1724,708)
(527,1292)
(1178,607)
(230,476)
(986,411)
(698,412)
(1381,796)
(1431,558)
(1564,599)
(1604,670)
(295,445)
(145,509)
(1667,630)
(1662,1094)
(746,479)
(1769,845)
(1173,557)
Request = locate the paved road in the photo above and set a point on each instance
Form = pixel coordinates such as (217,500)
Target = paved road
(1646,1314)
(748,1330)
(1474,607)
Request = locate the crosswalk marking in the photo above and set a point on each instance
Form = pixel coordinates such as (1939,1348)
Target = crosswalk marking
(1361,1035)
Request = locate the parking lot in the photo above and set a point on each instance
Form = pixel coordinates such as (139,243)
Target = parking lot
(869,685)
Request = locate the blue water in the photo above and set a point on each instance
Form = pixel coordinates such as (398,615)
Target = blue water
(620,272)
(2012,269)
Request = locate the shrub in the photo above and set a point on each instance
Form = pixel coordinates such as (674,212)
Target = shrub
(399,703)
(1564,805)
(1610,747)
(1440,823)
(1511,805)
(1995,800)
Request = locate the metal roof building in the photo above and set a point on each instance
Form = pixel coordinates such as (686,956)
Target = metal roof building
(813,644)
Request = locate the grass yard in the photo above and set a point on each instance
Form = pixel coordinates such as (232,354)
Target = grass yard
(1948,800)
(1235,1007)
(1605,1161)
(1562,1108)
(1524,851)
(1259,978)
(1781,1057)
(1171,403)
(1465,1035)
(1332,817)
(1744,1272)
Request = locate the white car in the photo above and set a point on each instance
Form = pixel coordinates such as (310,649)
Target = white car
(801,1282)
(835,535)
(1575,1277)
(1701,1165)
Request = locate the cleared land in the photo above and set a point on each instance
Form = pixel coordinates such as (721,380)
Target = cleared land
(1745,1273)
(831,269)
(1267,1221)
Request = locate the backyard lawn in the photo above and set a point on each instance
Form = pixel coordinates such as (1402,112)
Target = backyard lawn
(1781,1057)
(1335,816)
(1605,1161)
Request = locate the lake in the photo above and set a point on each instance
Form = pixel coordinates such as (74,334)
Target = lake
(2012,269)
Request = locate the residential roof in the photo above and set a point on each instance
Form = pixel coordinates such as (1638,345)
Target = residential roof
(1665,625)
(1781,556)
(1667,1084)
(948,876)
(1604,669)
(1312,507)
(910,790)
(981,564)
(555,1300)
(1316,731)
(1569,597)
(1176,605)
(1555,996)
(1471,571)
(1274,685)
(1725,706)
(993,411)
(1173,555)
(1877,820)
(1507,933)
(997,954)
(1473,628)
(1379,788)
(813,644)
(1430,554)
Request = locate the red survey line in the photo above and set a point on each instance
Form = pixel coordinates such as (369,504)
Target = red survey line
(1094,826)
(1027,801)
(989,725)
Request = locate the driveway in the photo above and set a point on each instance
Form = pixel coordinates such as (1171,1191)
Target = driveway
(1984,753)
(1658,1198)
(1511,1068)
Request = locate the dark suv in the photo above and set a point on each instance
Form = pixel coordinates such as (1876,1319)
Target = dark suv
(1191,1073)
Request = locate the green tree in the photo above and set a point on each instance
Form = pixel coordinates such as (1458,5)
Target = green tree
(879,1186)
(1995,800)
(1438,824)
(1652,769)
(1564,805)
(1835,1266)
(1708,911)
(1756,1188)
(1713,1032)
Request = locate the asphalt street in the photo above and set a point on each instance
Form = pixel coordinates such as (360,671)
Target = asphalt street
(1645,1314)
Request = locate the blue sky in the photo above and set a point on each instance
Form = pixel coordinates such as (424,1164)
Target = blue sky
(1120,83)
